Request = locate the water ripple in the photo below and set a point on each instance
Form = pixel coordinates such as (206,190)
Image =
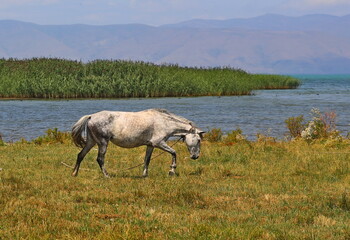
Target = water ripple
(263,112)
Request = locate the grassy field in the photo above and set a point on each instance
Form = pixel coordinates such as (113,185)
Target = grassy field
(243,190)
(59,78)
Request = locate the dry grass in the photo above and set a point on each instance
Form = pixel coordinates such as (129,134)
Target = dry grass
(260,190)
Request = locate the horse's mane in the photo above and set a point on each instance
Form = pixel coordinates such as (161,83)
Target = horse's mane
(172,116)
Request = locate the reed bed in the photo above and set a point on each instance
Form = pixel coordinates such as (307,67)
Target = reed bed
(59,78)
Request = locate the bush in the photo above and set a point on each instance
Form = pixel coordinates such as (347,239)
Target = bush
(265,138)
(53,136)
(321,126)
(234,136)
(295,125)
(2,143)
(214,135)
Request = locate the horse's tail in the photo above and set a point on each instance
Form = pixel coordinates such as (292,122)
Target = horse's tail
(78,129)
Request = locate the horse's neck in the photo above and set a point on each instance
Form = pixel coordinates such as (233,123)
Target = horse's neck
(178,125)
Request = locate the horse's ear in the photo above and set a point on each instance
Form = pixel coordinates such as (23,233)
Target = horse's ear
(201,134)
(182,137)
(193,128)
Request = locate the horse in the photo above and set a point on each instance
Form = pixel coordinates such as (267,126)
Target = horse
(152,127)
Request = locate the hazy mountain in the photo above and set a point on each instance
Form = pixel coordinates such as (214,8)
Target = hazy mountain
(270,43)
(273,22)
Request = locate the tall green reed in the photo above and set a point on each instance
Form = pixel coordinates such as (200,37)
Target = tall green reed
(60,78)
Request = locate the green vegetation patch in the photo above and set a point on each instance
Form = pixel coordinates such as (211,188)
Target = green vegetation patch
(59,78)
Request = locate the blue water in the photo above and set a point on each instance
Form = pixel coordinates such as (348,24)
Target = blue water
(263,112)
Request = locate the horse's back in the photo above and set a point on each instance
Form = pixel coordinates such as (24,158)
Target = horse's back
(125,129)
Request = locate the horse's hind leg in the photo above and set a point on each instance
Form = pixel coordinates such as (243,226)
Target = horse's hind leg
(149,151)
(90,143)
(102,148)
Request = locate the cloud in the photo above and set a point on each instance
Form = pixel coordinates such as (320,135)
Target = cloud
(158,12)
(326,2)
(304,7)
(15,3)
(162,5)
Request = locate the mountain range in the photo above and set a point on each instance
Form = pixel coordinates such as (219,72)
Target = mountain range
(311,44)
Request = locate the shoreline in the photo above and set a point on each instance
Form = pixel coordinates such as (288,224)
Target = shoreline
(123,98)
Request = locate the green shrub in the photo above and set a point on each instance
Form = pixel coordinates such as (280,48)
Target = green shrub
(214,135)
(295,125)
(53,136)
(2,143)
(265,138)
(322,126)
(234,136)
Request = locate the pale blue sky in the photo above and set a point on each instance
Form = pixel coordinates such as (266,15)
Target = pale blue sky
(158,12)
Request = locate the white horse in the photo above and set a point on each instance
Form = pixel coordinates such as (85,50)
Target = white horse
(151,127)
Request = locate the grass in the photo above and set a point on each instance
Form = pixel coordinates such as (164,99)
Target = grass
(59,78)
(246,190)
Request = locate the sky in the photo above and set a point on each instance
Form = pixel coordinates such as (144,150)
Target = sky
(159,12)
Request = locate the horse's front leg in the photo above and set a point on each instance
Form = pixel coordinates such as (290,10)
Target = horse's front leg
(168,149)
(173,165)
(102,149)
(149,152)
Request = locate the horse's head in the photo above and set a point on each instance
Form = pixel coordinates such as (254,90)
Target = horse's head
(193,142)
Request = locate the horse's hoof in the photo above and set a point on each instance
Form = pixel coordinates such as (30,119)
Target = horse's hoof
(105,174)
(145,174)
(172,173)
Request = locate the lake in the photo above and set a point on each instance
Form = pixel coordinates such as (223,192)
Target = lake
(263,112)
